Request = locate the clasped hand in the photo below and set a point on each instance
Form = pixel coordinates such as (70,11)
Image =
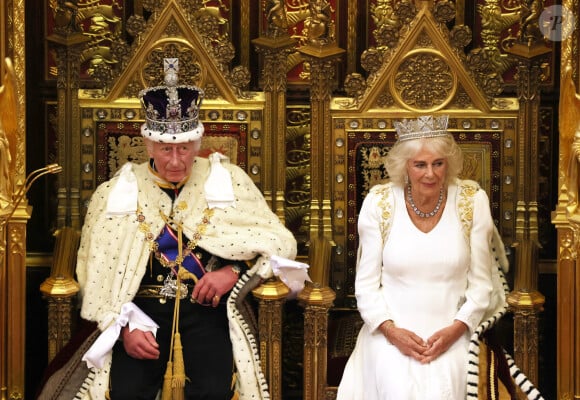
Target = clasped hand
(411,345)
(208,290)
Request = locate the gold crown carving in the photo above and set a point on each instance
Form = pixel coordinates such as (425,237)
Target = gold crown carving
(425,126)
(172,111)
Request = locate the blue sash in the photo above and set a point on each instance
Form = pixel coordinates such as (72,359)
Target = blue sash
(168,249)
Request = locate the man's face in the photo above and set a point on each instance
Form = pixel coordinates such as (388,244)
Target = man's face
(173,161)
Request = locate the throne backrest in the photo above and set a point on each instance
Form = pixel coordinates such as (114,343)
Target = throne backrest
(421,74)
(111,117)
(118,143)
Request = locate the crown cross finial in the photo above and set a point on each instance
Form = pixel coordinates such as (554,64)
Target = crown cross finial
(423,127)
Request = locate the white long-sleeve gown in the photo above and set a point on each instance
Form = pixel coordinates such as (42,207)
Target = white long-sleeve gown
(422,281)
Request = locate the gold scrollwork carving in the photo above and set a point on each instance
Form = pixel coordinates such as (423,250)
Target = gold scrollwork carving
(387,22)
(424,81)
(444,11)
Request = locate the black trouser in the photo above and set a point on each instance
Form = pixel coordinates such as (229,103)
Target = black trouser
(207,353)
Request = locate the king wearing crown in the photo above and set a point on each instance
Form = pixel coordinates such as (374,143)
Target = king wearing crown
(168,250)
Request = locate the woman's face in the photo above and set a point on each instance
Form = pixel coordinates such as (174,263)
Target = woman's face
(427,172)
(173,161)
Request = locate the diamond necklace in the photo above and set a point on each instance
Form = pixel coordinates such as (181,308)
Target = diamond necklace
(419,212)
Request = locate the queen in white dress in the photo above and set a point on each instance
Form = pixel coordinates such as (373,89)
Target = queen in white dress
(424,274)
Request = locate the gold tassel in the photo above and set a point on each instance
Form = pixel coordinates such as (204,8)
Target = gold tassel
(166,391)
(178,381)
(236,395)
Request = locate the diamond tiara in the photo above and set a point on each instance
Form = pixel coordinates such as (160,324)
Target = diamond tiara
(425,126)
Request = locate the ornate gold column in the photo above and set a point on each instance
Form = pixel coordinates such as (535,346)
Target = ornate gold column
(568,324)
(275,46)
(60,290)
(272,296)
(68,41)
(13,286)
(316,301)
(525,301)
(321,54)
(566,218)
(13,217)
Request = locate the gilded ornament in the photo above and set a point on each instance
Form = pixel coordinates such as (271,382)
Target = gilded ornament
(494,22)
(102,73)
(355,85)
(66,19)
(372,59)
(151,5)
(493,84)
(135,25)
(207,26)
(8,135)
(569,126)
(406,12)
(462,100)
(172,29)
(424,81)
(385,100)
(201,11)
(529,16)
(319,26)
(240,77)
(123,148)
(276,16)
(225,52)
(460,36)
(444,11)
(383,14)
(387,36)
(479,60)
(132,89)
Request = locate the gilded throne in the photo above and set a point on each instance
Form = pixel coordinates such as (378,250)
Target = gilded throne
(106,134)
(353,132)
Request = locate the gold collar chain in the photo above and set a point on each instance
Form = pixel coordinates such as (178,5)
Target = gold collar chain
(200,230)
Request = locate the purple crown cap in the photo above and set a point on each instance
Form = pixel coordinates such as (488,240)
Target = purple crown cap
(159,106)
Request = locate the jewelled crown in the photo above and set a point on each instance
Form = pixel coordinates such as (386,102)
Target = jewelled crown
(423,127)
(172,111)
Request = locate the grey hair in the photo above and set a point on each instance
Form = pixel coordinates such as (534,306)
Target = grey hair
(402,152)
